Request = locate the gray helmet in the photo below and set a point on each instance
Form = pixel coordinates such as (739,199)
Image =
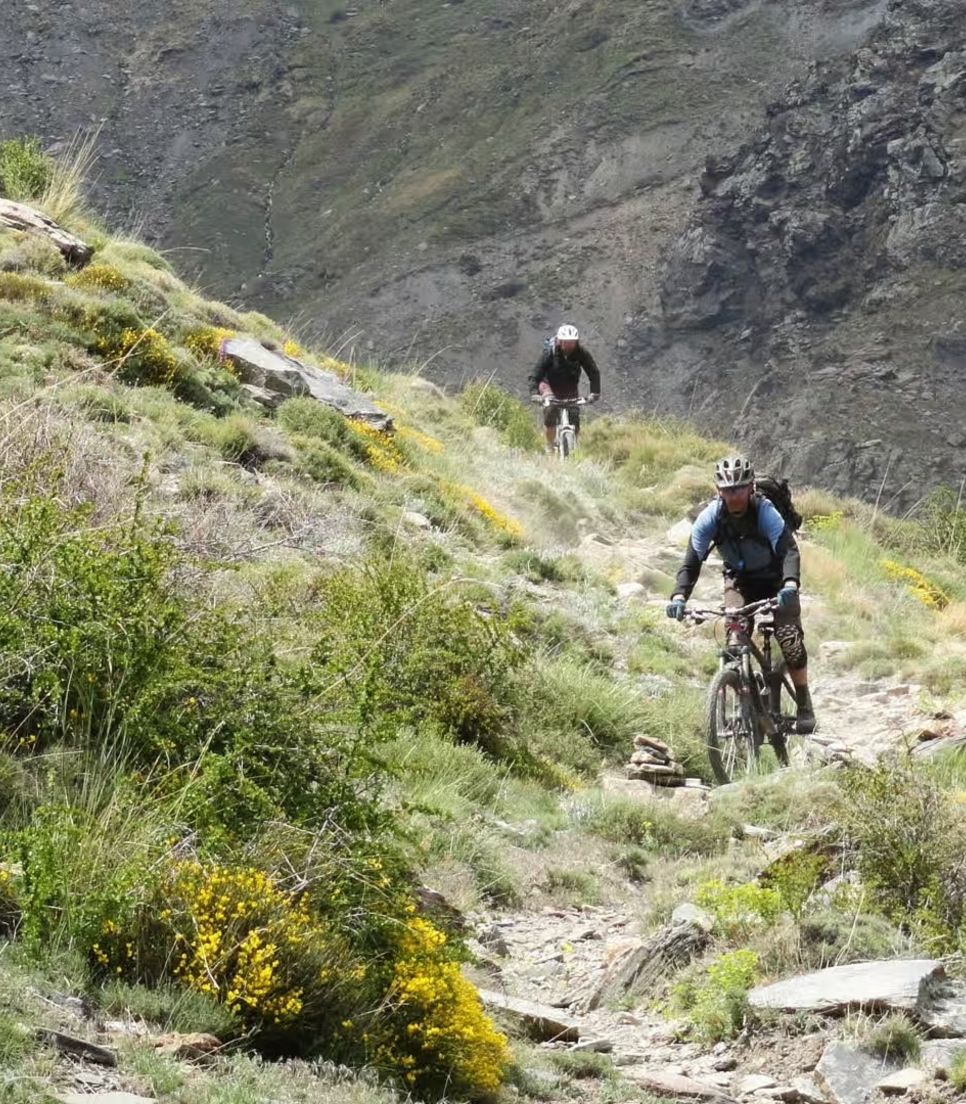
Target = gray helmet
(733,471)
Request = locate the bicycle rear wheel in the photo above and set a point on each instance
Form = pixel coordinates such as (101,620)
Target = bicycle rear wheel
(734,737)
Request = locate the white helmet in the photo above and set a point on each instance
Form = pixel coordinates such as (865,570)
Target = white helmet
(568,333)
(734,471)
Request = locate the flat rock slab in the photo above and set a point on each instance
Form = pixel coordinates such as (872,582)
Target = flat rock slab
(677,1086)
(540,1020)
(104,1098)
(900,1082)
(271,377)
(753,1082)
(938,1055)
(78,1048)
(849,1075)
(901,984)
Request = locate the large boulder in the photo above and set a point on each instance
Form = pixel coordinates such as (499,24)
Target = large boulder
(18,216)
(271,376)
(899,984)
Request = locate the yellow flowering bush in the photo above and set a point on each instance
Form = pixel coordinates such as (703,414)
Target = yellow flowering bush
(931,595)
(821,523)
(100,277)
(205,343)
(142,356)
(233,934)
(293,349)
(18,287)
(502,523)
(438,1034)
(10,910)
(382,450)
(422,440)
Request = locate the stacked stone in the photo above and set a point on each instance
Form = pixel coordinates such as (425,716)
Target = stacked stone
(653,761)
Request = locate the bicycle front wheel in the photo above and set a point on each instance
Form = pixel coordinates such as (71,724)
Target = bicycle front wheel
(733,736)
(566,443)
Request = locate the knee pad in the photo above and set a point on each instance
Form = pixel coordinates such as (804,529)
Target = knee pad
(791,640)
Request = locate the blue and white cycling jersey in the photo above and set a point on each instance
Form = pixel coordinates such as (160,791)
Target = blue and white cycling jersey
(747,554)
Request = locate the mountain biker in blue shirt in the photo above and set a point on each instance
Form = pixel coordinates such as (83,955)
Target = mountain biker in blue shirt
(761,560)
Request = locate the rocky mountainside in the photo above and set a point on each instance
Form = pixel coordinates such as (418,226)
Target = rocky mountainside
(447,181)
(816,294)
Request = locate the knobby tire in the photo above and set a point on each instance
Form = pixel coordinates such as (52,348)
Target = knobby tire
(733,742)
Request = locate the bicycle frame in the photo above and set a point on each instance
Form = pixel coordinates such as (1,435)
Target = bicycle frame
(741,650)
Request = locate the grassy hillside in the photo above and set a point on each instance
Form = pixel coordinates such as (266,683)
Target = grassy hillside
(261,676)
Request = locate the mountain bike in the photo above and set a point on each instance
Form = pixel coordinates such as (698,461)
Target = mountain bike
(565,439)
(751,699)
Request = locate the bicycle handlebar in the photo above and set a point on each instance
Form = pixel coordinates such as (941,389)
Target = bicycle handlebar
(699,616)
(549,400)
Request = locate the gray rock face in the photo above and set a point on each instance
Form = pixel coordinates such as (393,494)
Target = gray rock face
(272,377)
(900,984)
(811,248)
(849,1075)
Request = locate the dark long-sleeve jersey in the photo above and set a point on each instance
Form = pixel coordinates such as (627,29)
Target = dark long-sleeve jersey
(757,547)
(562,373)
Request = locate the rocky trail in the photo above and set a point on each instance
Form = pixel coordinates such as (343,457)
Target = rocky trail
(580,978)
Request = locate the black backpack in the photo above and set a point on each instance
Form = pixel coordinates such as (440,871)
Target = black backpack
(779,495)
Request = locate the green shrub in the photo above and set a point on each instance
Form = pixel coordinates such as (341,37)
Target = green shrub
(543,569)
(25,170)
(31,253)
(833,936)
(489,405)
(584,1064)
(655,827)
(957,1072)
(796,876)
(15,1042)
(633,861)
(575,696)
(235,438)
(717,1006)
(572,887)
(907,838)
(894,1038)
(740,909)
(100,405)
(310,419)
(168,1006)
(322,463)
(406,648)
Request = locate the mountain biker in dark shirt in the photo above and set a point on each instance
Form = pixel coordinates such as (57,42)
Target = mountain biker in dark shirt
(558,374)
(761,560)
